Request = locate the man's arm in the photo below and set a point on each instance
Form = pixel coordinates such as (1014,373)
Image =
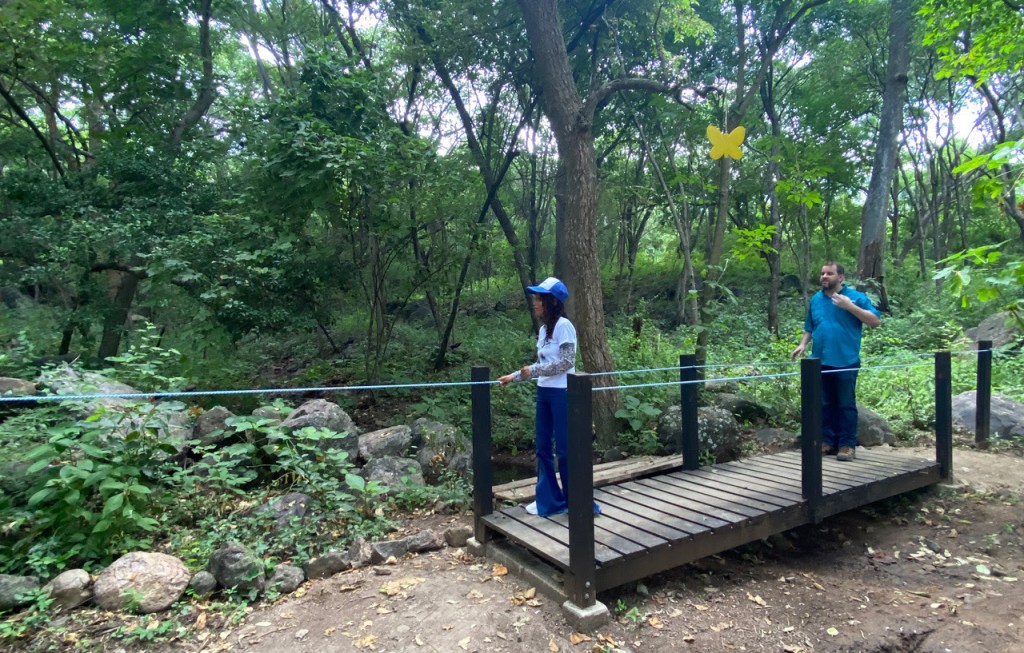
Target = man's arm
(802,346)
(864,315)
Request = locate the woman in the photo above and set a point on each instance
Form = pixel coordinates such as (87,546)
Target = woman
(556,359)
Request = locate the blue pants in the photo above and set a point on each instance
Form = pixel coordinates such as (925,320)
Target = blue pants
(552,440)
(839,406)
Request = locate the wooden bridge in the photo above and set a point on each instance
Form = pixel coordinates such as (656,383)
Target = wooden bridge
(674,516)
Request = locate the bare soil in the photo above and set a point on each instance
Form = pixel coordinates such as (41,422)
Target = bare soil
(937,571)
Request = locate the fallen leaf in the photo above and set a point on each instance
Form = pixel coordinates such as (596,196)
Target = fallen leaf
(419,641)
(832,631)
(983,570)
(201,621)
(530,593)
(370,642)
(553,646)
(655,623)
(579,638)
(688,637)
(757,599)
(499,570)
(464,644)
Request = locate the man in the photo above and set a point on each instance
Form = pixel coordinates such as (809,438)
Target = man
(835,318)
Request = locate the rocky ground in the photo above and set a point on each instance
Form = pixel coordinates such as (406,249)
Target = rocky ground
(940,570)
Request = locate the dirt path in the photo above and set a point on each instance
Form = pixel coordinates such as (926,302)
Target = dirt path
(935,572)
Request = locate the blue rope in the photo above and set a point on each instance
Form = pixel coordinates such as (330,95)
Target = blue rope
(722,378)
(208,393)
(877,367)
(694,367)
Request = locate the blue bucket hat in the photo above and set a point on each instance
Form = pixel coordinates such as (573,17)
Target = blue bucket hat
(550,286)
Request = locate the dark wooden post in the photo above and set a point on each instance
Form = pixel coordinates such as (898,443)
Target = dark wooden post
(810,435)
(582,579)
(483,476)
(983,395)
(689,444)
(944,414)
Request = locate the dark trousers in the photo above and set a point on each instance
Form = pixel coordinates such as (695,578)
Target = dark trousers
(552,439)
(839,406)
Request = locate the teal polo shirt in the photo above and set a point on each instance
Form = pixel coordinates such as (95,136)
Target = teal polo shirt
(835,333)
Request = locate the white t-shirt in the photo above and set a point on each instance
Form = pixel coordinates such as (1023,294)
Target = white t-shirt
(547,352)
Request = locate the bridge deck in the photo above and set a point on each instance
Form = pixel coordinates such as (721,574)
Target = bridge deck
(656,523)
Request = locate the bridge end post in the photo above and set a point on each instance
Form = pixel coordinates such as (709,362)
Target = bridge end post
(983,414)
(810,435)
(688,441)
(483,473)
(581,581)
(944,414)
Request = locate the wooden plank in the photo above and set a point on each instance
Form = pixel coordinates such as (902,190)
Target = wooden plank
(846,472)
(660,511)
(557,553)
(644,519)
(730,478)
(779,469)
(524,490)
(772,473)
(555,531)
(709,507)
(745,507)
(623,546)
(760,500)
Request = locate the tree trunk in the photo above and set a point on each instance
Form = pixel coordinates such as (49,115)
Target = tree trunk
(123,294)
(577,199)
(871,255)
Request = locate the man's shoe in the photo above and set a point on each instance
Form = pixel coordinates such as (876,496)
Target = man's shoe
(828,450)
(846,454)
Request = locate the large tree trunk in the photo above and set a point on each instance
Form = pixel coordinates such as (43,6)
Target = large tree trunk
(871,255)
(773,257)
(577,200)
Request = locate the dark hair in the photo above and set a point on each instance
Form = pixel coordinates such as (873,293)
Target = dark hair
(553,309)
(839,267)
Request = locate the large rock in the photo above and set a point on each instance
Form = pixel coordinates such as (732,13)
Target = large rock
(12,587)
(330,563)
(393,472)
(1000,328)
(438,446)
(774,439)
(211,428)
(744,409)
(717,432)
(70,589)
(16,387)
(142,581)
(286,579)
(1006,419)
(234,566)
(392,441)
(322,414)
(285,508)
(169,419)
(872,429)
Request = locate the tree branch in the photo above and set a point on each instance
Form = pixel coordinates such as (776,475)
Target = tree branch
(624,84)
(47,145)
(207,92)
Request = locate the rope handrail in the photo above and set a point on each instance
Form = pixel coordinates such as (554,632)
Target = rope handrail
(697,381)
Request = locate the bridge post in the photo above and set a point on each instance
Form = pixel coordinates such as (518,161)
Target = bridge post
(689,444)
(983,396)
(944,414)
(581,582)
(810,435)
(483,475)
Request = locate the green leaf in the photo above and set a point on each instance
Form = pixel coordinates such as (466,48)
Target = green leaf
(40,496)
(113,504)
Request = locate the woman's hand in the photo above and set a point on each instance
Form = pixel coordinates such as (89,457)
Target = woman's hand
(505,380)
(524,373)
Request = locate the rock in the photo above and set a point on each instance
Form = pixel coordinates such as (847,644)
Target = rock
(717,432)
(392,441)
(425,540)
(744,409)
(11,587)
(211,428)
(437,445)
(203,584)
(330,563)
(999,328)
(872,429)
(16,387)
(322,414)
(393,472)
(70,589)
(613,455)
(1006,419)
(457,536)
(776,439)
(285,508)
(13,298)
(269,412)
(286,579)
(360,553)
(141,581)
(234,566)
(67,380)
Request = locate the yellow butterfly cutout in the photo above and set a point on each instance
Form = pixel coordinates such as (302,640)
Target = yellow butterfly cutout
(726,144)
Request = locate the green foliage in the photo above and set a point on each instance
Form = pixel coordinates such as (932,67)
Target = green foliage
(985,274)
(146,365)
